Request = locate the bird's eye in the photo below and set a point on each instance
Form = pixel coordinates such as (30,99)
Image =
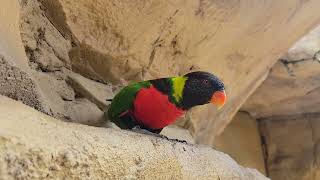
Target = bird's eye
(205,81)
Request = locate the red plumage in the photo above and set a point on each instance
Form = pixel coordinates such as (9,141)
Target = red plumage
(154,110)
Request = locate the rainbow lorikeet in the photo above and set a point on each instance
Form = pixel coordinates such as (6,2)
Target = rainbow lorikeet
(154,104)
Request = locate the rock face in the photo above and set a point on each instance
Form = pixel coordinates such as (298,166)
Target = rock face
(241,140)
(293,146)
(16,80)
(288,105)
(45,148)
(49,65)
(293,85)
(142,40)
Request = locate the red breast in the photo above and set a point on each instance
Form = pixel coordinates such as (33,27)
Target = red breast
(154,110)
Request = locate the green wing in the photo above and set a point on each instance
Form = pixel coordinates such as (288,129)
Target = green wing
(123,101)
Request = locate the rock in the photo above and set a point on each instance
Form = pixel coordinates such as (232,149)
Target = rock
(292,87)
(96,92)
(306,48)
(84,112)
(44,44)
(47,52)
(175,132)
(53,88)
(293,146)
(16,80)
(11,46)
(287,103)
(48,148)
(241,140)
(64,105)
(144,40)
(20,85)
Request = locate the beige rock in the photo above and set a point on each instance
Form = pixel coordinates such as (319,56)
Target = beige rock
(292,86)
(176,132)
(55,101)
(44,44)
(141,40)
(94,91)
(18,84)
(292,144)
(45,148)
(305,48)
(47,52)
(15,78)
(84,112)
(10,45)
(241,140)
(64,105)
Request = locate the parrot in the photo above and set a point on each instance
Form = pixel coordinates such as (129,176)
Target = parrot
(154,104)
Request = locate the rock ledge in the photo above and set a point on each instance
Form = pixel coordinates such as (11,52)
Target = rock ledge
(36,146)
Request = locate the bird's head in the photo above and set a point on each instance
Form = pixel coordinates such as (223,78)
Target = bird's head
(203,88)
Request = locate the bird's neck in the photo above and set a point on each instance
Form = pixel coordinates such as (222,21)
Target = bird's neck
(173,87)
(178,87)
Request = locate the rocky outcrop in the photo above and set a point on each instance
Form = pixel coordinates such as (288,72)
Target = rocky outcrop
(16,80)
(142,40)
(241,140)
(49,65)
(293,85)
(46,148)
(287,104)
(293,148)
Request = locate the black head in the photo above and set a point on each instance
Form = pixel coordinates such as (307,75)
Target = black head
(202,88)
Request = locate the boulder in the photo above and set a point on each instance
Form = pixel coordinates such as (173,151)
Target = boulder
(36,146)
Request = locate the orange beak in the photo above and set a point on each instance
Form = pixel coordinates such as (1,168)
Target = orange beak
(219,98)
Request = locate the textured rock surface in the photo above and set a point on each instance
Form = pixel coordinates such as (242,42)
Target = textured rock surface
(293,85)
(176,132)
(10,45)
(96,92)
(241,140)
(45,148)
(142,40)
(288,102)
(15,78)
(48,56)
(46,48)
(293,146)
